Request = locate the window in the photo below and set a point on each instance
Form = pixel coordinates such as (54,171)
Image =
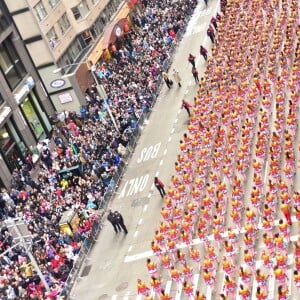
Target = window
(40,11)
(64,23)
(1,99)
(3,21)
(52,3)
(52,38)
(10,63)
(81,10)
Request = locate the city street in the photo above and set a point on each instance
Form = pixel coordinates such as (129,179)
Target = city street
(118,260)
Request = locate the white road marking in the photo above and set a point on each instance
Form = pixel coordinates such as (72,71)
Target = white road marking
(170,139)
(114,297)
(176,120)
(156,174)
(198,241)
(140,221)
(165,152)
(149,195)
(173,130)
(290,280)
(145,207)
(195,282)
(168,286)
(271,287)
(208,293)
(136,233)
(161,162)
(266,172)
(178,292)
(129,249)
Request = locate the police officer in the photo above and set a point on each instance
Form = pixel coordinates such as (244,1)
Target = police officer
(112,218)
(120,221)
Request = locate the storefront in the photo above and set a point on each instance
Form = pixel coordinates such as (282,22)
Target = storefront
(12,147)
(34,116)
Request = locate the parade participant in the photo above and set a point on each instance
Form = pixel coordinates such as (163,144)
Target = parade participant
(164,296)
(188,289)
(261,278)
(229,285)
(283,293)
(152,267)
(142,287)
(260,294)
(166,261)
(176,276)
(296,278)
(244,292)
(208,277)
(286,212)
(187,271)
(155,284)
(199,296)
(245,275)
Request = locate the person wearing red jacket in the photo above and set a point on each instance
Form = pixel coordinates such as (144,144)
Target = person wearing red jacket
(203,52)
(160,186)
(186,106)
(191,59)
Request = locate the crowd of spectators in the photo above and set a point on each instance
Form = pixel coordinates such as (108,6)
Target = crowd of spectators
(87,151)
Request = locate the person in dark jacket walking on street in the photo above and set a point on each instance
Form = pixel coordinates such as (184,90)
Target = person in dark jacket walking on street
(160,186)
(167,80)
(195,74)
(111,217)
(120,221)
(191,59)
(203,52)
(211,33)
(214,21)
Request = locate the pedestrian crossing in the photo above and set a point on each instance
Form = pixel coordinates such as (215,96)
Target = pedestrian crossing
(177,293)
(196,241)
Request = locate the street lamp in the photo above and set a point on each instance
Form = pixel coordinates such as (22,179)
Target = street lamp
(100,88)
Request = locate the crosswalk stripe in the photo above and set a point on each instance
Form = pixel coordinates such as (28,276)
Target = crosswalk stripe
(271,287)
(152,292)
(178,292)
(195,282)
(290,278)
(168,286)
(208,293)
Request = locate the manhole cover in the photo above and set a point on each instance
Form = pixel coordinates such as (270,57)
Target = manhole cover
(86,271)
(122,286)
(140,202)
(103,297)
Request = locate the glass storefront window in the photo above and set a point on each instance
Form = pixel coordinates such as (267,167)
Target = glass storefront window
(5,140)
(32,118)
(9,149)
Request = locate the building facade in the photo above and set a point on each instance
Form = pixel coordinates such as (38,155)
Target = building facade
(60,33)
(24,104)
